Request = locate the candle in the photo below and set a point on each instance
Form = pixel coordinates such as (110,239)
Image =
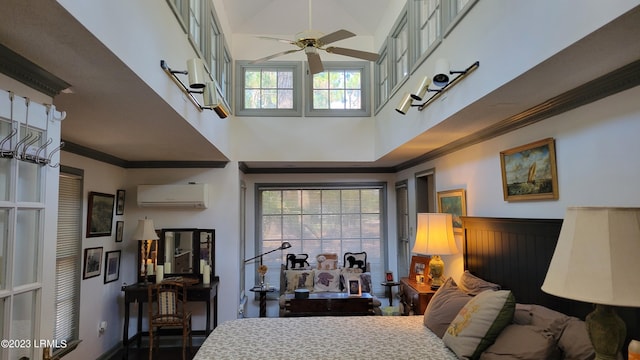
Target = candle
(202,264)
(167,268)
(159,273)
(150,269)
(206,275)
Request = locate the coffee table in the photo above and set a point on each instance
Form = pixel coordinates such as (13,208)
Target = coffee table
(329,304)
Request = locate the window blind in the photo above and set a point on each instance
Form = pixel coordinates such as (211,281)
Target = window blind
(68,258)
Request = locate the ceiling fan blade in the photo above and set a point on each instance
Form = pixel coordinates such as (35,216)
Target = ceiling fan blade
(277,39)
(335,36)
(315,64)
(365,55)
(273,56)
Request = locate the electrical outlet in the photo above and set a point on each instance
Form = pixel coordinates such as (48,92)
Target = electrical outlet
(102,327)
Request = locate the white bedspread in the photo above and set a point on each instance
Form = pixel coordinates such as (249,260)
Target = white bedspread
(324,337)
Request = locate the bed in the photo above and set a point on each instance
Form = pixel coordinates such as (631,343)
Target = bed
(514,253)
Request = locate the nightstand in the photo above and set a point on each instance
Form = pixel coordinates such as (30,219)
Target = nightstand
(414,296)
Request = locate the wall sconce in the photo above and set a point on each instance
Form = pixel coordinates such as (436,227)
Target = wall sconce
(213,99)
(441,79)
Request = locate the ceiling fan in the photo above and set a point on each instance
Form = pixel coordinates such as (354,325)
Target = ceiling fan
(311,41)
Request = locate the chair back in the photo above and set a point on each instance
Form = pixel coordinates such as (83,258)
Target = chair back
(167,301)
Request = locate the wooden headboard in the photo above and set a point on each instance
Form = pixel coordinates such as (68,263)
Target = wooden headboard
(516,254)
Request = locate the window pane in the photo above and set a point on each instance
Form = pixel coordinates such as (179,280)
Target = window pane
(336,80)
(350,201)
(336,98)
(321,80)
(271,227)
(331,201)
(269,99)
(311,201)
(271,202)
(269,79)
(285,99)
(26,247)
(351,226)
(331,226)
(312,227)
(354,99)
(285,79)
(22,323)
(320,99)
(291,227)
(252,79)
(352,79)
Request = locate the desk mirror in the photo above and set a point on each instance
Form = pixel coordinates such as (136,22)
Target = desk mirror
(183,252)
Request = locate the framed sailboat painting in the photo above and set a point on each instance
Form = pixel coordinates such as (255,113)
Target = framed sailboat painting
(529,172)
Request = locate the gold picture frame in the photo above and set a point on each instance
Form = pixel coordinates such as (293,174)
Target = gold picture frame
(453,202)
(529,172)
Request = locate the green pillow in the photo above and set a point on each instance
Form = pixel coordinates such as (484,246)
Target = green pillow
(479,323)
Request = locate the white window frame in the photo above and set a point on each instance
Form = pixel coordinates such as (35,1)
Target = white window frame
(213,43)
(197,33)
(382,89)
(377,262)
(294,66)
(453,12)
(399,58)
(365,90)
(424,14)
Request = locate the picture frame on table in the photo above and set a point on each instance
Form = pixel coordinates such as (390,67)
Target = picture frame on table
(419,268)
(354,287)
(120,194)
(92,262)
(100,214)
(529,172)
(119,231)
(453,202)
(389,276)
(111,266)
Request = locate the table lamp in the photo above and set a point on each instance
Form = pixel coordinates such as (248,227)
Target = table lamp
(145,232)
(434,236)
(596,261)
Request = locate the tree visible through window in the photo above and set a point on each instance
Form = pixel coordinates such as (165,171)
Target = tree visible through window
(337,89)
(268,89)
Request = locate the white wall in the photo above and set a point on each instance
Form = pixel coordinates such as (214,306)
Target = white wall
(596,153)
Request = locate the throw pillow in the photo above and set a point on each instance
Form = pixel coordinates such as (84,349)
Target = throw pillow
(444,306)
(327,261)
(299,279)
(474,285)
(574,341)
(524,342)
(297,261)
(479,323)
(355,260)
(326,280)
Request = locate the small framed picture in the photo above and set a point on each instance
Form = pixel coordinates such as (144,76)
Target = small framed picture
(119,230)
(111,266)
(100,214)
(419,266)
(354,287)
(389,276)
(92,262)
(120,202)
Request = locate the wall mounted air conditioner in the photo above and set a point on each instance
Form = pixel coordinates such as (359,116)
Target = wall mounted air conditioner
(190,195)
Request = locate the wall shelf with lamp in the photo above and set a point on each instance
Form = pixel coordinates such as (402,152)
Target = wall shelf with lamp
(441,79)
(198,80)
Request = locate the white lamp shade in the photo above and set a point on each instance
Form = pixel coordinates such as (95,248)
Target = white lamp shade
(597,257)
(434,235)
(145,230)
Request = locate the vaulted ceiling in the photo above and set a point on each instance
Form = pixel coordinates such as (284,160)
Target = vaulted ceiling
(101,110)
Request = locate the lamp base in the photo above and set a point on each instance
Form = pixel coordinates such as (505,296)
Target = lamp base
(436,269)
(607,332)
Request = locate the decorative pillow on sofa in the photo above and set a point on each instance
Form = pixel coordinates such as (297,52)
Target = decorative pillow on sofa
(299,279)
(479,323)
(297,261)
(524,342)
(327,261)
(326,280)
(474,285)
(355,260)
(444,306)
(365,278)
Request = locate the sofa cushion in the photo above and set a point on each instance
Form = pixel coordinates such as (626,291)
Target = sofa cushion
(326,280)
(299,279)
(479,323)
(297,261)
(327,261)
(365,279)
(444,306)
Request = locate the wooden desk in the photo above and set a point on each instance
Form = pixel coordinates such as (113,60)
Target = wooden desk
(195,293)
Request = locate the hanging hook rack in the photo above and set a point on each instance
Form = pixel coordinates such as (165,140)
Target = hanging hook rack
(26,146)
(16,150)
(9,152)
(48,160)
(36,158)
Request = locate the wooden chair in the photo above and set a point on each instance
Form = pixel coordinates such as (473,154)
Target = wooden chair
(167,302)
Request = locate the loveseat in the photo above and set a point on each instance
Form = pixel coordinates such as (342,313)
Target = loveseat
(323,273)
